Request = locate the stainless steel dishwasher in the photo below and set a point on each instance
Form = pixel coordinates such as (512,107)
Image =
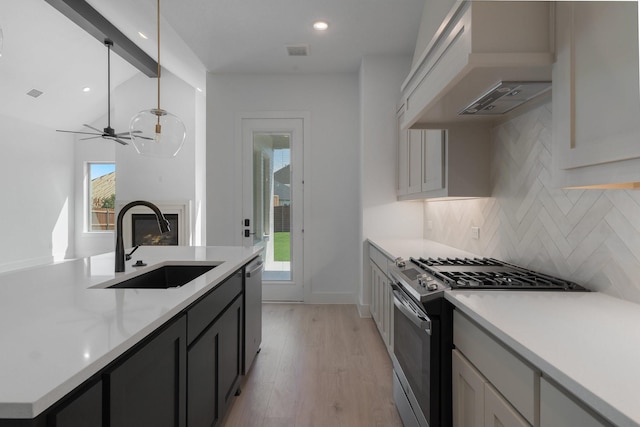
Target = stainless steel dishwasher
(252,311)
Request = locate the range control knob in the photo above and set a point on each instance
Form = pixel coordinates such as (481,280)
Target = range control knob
(423,279)
(428,282)
(400,262)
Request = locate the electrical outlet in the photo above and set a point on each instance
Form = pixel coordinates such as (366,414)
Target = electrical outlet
(475,233)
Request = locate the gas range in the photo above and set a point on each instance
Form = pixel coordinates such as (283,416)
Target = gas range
(425,279)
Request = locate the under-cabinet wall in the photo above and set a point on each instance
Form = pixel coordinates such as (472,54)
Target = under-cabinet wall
(589,236)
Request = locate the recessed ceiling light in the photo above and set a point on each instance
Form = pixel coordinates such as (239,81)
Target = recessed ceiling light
(320,25)
(86,89)
(143,35)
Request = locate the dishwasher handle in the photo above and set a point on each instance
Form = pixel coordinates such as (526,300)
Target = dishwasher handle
(411,310)
(259,264)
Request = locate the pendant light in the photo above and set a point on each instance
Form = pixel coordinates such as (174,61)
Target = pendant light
(156,132)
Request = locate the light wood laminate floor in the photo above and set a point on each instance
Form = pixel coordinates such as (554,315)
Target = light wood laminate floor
(320,365)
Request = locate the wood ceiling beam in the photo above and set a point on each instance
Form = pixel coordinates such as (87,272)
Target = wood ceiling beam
(80,12)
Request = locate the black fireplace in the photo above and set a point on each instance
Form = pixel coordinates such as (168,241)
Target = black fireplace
(145,231)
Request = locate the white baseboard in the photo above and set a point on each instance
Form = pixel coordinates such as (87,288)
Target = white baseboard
(364,310)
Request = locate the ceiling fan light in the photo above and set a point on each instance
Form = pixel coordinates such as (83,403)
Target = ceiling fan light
(157,133)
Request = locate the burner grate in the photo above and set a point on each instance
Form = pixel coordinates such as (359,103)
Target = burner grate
(489,273)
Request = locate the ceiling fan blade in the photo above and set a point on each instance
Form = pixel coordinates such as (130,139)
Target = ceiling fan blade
(120,141)
(90,137)
(91,127)
(79,133)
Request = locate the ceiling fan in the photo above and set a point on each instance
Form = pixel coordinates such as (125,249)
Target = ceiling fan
(108,132)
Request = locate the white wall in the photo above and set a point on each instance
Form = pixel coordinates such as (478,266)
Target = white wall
(382,215)
(332,226)
(36,184)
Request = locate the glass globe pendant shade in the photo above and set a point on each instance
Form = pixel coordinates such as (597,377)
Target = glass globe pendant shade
(157,133)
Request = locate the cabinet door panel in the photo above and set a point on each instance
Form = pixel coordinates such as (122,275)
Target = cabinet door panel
(149,387)
(374,295)
(434,160)
(202,408)
(402,164)
(415,160)
(498,412)
(596,91)
(84,410)
(468,393)
(230,353)
(215,366)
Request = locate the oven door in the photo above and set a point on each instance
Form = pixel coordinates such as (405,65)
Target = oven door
(413,354)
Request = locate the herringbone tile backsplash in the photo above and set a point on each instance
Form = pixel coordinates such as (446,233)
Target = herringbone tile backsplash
(589,236)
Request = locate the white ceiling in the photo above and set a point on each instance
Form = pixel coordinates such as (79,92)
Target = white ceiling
(249,36)
(42,49)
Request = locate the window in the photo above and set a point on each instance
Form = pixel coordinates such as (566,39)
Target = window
(101,198)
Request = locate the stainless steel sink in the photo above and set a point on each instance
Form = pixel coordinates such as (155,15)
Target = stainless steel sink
(165,277)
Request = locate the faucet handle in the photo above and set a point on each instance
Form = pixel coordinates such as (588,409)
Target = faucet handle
(127,257)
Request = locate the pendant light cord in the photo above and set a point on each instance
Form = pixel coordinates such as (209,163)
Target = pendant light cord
(108,43)
(158,60)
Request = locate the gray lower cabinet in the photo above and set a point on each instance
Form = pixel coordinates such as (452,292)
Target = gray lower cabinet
(148,388)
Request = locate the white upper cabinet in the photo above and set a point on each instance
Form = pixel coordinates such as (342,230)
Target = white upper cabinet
(596,97)
(437,163)
(469,49)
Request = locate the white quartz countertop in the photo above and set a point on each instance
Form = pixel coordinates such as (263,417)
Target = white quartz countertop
(588,342)
(58,327)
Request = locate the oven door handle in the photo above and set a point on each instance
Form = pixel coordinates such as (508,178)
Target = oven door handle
(412,311)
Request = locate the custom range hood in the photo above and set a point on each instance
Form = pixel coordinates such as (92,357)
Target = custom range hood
(484,59)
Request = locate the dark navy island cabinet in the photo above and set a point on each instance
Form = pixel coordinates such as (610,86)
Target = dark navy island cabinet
(185,374)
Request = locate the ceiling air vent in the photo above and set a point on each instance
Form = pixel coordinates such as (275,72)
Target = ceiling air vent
(35,93)
(298,50)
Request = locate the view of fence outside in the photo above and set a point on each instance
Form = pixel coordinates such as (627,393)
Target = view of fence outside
(102,219)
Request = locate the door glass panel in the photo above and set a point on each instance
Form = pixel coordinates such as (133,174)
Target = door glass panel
(272,202)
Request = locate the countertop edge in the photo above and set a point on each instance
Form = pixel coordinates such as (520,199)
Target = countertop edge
(31,410)
(605,409)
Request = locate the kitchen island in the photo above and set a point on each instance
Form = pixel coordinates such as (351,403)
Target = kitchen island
(60,325)
(580,349)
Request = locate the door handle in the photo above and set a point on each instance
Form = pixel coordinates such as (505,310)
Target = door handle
(254,271)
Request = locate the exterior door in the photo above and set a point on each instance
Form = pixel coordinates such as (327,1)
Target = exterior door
(273,202)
